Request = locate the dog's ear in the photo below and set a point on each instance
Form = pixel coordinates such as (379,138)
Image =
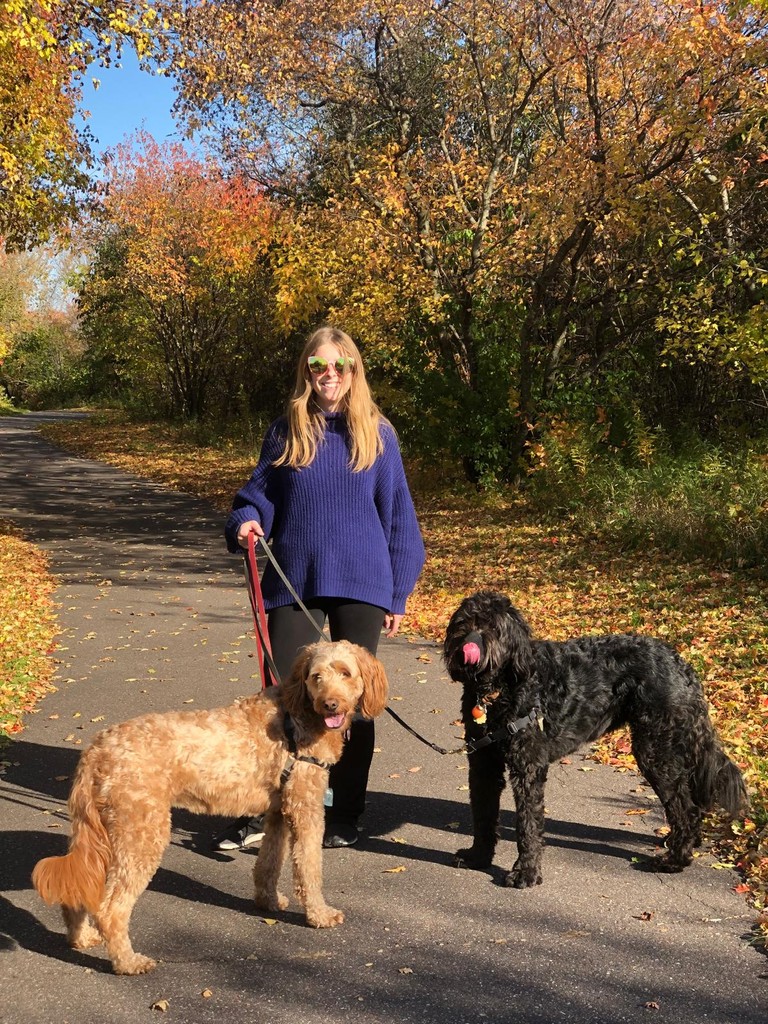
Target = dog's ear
(293,690)
(375,686)
(518,644)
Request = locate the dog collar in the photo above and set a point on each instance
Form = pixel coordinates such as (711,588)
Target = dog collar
(480,710)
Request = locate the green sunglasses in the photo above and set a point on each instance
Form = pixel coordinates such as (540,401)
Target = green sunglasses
(318,366)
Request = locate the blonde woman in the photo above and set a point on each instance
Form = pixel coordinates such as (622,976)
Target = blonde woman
(330,494)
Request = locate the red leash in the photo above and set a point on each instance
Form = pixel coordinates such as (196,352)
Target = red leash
(267,668)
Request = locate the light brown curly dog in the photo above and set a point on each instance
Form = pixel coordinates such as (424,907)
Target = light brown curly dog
(265,754)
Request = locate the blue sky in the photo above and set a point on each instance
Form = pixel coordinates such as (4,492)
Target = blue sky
(128,99)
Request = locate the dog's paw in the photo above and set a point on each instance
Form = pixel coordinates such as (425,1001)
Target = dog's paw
(135,964)
(522,878)
(87,941)
(271,901)
(86,937)
(472,860)
(324,917)
(665,865)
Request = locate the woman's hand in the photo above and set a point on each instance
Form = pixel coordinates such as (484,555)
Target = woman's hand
(252,526)
(392,624)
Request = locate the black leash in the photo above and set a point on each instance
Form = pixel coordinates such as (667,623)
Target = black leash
(265,655)
(429,743)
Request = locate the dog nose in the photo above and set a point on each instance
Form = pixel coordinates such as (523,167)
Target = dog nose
(472,649)
(331,706)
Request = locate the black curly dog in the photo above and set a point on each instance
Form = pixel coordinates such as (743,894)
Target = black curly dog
(529,702)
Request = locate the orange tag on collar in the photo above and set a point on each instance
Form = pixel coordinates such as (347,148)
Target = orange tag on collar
(478,713)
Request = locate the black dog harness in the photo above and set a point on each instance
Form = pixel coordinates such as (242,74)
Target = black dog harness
(534,717)
(294,755)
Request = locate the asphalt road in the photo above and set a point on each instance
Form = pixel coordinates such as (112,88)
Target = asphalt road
(153,616)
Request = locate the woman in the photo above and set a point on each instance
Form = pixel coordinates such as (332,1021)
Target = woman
(330,493)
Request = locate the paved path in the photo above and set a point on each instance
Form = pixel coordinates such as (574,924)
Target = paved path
(154,615)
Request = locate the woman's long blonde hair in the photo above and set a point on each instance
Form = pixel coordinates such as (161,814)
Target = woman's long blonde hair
(306,423)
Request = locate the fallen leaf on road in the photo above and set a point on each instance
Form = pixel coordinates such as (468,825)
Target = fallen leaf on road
(161,1004)
(393,871)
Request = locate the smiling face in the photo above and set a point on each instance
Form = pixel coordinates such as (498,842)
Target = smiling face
(330,387)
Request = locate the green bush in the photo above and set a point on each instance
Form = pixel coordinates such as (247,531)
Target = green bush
(46,368)
(699,501)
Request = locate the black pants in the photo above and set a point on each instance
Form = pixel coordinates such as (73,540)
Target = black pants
(289,631)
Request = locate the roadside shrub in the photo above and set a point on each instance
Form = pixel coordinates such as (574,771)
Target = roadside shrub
(701,501)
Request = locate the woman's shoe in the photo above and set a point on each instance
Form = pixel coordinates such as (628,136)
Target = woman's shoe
(338,834)
(240,834)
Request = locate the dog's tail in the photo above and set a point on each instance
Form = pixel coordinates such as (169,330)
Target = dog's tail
(78,878)
(719,783)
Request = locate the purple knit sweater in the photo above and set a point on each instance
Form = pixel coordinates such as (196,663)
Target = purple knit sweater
(334,533)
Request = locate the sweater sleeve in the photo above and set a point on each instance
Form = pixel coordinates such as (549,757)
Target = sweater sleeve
(406,547)
(256,500)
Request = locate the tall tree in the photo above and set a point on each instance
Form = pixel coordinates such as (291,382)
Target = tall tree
(179,259)
(46,47)
(492,178)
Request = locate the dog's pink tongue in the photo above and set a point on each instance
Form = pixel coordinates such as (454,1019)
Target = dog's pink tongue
(334,721)
(471,653)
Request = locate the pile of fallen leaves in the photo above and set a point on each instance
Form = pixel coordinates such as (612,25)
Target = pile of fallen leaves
(564,583)
(27,628)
